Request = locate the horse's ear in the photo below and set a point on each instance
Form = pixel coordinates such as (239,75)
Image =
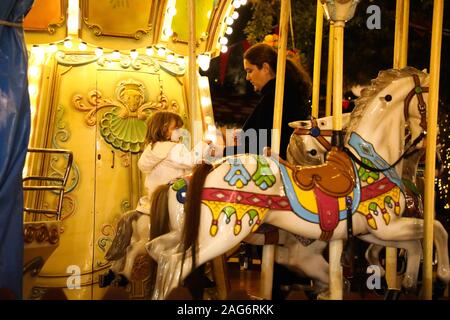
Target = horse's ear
(425,70)
(294,124)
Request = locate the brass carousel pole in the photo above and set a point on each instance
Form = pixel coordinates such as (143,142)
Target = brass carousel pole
(339,12)
(400,61)
(430,155)
(317,60)
(196,121)
(330,70)
(269,250)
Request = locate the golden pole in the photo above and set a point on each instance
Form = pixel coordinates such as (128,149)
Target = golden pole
(330,71)
(317,60)
(405,35)
(398,33)
(400,61)
(336,246)
(269,250)
(430,154)
(195,113)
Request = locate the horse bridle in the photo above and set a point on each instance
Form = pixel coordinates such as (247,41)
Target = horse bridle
(317,133)
(422,106)
(320,135)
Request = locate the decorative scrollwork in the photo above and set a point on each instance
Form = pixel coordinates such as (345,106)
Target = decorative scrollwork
(125,206)
(126,160)
(96,103)
(123,127)
(103,242)
(62,134)
(68,207)
(41,232)
(96,29)
(74,59)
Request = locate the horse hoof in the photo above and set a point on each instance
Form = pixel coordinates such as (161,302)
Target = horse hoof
(439,289)
(120,281)
(106,279)
(443,274)
(392,294)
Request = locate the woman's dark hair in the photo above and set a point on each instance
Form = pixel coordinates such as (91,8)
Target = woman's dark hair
(295,73)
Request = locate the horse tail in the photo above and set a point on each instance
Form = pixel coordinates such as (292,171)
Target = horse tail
(159,212)
(192,210)
(123,236)
(159,223)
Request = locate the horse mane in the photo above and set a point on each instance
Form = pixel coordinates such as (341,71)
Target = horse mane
(384,78)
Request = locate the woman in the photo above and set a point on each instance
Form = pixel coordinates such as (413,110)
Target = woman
(260,64)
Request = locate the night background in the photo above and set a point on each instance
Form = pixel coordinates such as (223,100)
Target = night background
(366,52)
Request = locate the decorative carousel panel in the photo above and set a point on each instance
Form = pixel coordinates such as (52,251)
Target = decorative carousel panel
(101,119)
(120,24)
(46,21)
(209,16)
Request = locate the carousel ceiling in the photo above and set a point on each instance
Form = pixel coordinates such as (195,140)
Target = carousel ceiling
(132,24)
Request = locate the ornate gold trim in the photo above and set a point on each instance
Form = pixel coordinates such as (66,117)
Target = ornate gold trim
(40,232)
(51,28)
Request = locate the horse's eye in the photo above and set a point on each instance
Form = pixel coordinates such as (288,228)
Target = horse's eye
(388,98)
(313,152)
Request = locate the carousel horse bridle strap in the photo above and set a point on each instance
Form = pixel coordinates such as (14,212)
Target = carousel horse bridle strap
(422,106)
(317,133)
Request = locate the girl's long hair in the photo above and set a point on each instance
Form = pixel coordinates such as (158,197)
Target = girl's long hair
(158,125)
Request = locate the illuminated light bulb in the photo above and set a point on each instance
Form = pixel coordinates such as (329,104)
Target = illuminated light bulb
(134,54)
(203,61)
(116,54)
(229,30)
(235,15)
(236,4)
(52,48)
(229,21)
(32,90)
(170,57)
(208,119)
(68,44)
(161,52)
(35,49)
(243,2)
(205,101)
(171,11)
(223,40)
(209,14)
(181,61)
(99,52)
(168,32)
(224,49)
(82,46)
(203,83)
(33,71)
(149,51)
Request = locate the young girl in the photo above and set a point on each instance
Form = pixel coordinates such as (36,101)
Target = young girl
(165,157)
(163,160)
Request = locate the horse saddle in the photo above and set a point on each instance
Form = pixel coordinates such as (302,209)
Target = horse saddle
(335,177)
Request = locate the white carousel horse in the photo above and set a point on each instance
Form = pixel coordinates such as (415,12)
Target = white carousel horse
(308,145)
(228,202)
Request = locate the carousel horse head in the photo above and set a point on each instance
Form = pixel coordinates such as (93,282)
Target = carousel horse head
(312,139)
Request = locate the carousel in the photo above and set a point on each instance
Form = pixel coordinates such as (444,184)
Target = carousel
(93,72)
